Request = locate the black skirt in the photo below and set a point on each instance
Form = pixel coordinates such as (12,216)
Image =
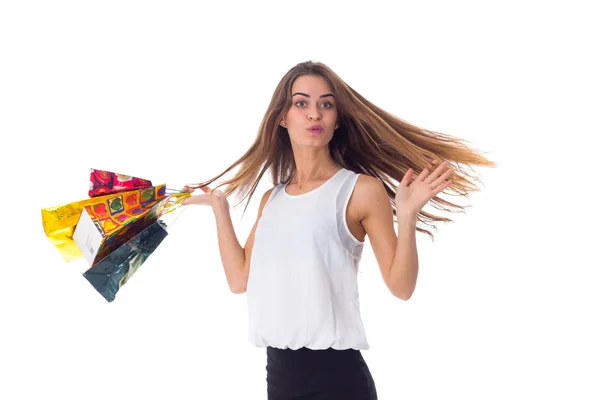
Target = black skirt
(318,375)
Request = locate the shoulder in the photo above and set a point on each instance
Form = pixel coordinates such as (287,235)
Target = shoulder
(264,199)
(369,193)
(369,188)
(266,194)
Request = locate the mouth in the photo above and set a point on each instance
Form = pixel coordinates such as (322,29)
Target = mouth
(315,129)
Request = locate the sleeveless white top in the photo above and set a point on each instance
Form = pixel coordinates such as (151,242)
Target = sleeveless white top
(302,286)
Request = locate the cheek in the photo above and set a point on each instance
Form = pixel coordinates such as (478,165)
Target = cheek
(294,114)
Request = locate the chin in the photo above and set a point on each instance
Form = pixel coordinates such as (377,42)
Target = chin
(313,140)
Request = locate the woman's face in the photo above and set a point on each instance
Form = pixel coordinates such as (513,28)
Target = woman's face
(313,116)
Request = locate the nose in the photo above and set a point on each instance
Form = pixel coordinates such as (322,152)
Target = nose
(314,114)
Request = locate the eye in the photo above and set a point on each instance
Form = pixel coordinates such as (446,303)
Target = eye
(327,105)
(298,102)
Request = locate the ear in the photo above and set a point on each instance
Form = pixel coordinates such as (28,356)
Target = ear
(282,123)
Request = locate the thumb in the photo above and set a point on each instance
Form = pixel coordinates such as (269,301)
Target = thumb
(187,189)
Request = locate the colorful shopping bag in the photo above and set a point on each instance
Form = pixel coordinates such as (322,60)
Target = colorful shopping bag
(59,222)
(103,227)
(109,274)
(106,182)
(115,232)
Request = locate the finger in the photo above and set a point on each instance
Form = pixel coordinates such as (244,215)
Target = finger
(423,175)
(436,173)
(427,171)
(407,177)
(200,199)
(439,181)
(442,187)
(440,168)
(187,189)
(205,189)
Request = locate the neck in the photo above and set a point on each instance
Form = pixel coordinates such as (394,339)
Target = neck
(312,163)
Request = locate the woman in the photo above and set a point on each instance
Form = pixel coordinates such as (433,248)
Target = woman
(333,158)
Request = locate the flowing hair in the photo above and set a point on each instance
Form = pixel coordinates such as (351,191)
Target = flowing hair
(369,141)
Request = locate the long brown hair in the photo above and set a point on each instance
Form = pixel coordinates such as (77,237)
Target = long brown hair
(369,140)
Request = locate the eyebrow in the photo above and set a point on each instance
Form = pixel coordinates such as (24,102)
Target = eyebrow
(324,95)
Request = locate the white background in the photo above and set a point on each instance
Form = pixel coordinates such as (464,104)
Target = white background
(506,305)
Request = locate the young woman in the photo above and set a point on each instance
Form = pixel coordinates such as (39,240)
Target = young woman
(334,158)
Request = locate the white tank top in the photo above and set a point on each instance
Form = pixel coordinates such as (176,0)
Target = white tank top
(302,286)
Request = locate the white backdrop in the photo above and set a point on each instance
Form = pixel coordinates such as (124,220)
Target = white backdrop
(506,303)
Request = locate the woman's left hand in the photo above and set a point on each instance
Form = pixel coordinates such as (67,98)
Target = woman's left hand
(412,195)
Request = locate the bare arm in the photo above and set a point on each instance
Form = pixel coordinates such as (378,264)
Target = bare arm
(232,254)
(235,259)
(396,254)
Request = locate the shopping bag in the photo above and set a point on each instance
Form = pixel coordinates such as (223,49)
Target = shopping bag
(118,231)
(106,182)
(103,227)
(59,222)
(109,274)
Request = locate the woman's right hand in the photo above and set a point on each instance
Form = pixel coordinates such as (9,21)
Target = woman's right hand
(209,198)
